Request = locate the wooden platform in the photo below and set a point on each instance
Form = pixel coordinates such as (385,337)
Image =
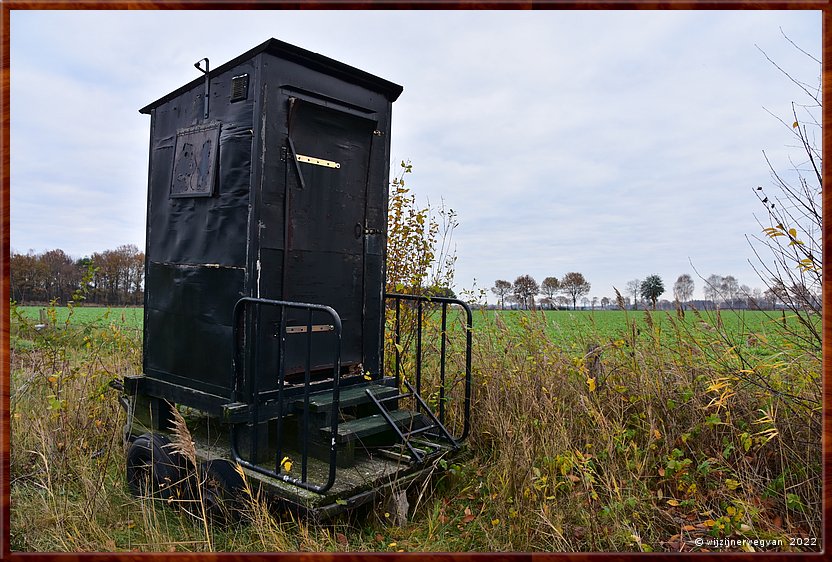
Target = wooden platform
(348,396)
(372,475)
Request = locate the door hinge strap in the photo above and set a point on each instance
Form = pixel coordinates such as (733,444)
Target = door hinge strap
(317,161)
(315,328)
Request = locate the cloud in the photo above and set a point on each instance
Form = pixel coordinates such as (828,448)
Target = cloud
(613,143)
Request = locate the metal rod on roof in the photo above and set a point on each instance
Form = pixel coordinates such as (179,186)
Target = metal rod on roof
(207,82)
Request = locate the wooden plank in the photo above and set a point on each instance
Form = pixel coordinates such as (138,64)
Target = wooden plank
(349,396)
(372,425)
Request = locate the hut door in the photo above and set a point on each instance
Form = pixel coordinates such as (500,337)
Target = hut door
(327,175)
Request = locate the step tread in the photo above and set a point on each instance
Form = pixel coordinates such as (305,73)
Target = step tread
(349,396)
(373,425)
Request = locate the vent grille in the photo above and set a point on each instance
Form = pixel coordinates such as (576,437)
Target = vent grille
(239,88)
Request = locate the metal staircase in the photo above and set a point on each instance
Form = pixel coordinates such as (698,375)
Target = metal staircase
(428,424)
(325,420)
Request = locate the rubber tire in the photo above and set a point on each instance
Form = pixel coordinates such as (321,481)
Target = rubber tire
(222,490)
(150,461)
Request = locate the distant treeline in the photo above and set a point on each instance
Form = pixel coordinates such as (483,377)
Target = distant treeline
(112,277)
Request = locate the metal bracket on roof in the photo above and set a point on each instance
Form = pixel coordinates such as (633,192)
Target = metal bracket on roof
(207,82)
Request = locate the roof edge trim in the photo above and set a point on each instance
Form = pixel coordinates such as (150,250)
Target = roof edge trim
(298,55)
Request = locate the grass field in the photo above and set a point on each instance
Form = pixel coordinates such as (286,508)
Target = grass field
(128,317)
(593,431)
(566,327)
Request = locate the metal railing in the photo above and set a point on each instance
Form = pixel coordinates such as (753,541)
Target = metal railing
(444,303)
(263,405)
(251,406)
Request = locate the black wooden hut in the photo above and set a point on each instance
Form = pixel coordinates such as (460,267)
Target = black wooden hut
(264,290)
(268,179)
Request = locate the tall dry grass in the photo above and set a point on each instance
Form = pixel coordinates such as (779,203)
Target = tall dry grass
(640,445)
(68,486)
(636,444)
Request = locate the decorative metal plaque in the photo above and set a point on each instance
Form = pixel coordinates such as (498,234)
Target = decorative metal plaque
(195,160)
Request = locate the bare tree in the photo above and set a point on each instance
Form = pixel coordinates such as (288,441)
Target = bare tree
(574,285)
(119,275)
(61,275)
(133,285)
(713,288)
(730,289)
(743,299)
(683,288)
(755,298)
(108,277)
(525,289)
(633,288)
(792,223)
(501,288)
(26,277)
(605,302)
(776,294)
(550,287)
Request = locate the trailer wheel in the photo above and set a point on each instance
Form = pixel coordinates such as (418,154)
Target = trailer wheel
(222,489)
(152,468)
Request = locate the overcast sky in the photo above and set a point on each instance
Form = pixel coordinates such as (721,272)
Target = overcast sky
(617,144)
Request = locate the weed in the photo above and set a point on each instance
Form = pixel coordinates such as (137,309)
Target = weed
(639,436)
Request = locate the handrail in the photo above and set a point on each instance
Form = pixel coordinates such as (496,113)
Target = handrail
(469,325)
(236,383)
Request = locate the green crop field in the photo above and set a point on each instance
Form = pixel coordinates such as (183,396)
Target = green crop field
(128,317)
(572,328)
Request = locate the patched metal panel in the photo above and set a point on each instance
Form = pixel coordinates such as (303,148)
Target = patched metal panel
(194,161)
(197,237)
(188,324)
(199,230)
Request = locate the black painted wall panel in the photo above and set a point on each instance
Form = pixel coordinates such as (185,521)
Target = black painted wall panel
(263,232)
